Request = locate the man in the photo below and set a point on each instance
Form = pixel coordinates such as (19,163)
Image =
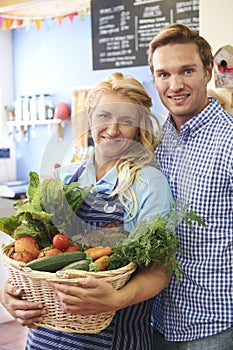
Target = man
(196,155)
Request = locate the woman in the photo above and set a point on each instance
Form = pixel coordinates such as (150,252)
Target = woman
(127,189)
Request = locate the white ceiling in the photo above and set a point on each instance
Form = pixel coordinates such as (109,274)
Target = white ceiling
(41,8)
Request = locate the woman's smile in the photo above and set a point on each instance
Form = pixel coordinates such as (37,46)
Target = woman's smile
(114,125)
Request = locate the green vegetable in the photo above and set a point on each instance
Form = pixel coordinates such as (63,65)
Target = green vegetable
(78,265)
(154,242)
(55,262)
(9,224)
(50,208)
(62,202)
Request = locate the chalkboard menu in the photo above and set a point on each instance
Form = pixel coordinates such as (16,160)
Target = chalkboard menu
(122,29)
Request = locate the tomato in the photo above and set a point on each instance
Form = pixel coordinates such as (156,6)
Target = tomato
(71,248)
(52,251)
(61,241)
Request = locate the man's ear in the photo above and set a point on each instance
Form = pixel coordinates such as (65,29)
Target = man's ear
(209,71)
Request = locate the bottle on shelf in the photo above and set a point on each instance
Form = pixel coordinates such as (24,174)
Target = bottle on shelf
(33,108)
(41,107)
(26,113)
(19,109)
(49,107)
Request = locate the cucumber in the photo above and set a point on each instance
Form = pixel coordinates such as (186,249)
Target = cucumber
(55,262)
(78,265)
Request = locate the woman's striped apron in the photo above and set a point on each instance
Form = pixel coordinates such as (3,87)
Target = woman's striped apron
(130,328)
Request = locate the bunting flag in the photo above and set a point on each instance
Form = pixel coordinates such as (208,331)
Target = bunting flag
(59,19)
(38,23)
(1,21)
(9,23)
(71,16)
(19,22)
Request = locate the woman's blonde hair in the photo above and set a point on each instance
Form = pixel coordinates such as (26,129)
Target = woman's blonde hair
(129,164)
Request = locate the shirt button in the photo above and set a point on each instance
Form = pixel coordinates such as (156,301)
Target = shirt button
(172,179)
(178,148)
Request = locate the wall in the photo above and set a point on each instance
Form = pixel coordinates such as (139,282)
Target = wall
(215,22)
(54,60)
(215,26)
(7,166)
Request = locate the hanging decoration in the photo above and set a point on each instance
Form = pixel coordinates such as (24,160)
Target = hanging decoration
(23,13)
(9,23)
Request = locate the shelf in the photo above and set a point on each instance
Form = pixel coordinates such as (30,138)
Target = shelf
(37,122)
(23,124)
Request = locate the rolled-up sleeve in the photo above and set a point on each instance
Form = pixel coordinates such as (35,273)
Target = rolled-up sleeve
(153,194)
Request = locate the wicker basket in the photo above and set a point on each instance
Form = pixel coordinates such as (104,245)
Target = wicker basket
(37,287)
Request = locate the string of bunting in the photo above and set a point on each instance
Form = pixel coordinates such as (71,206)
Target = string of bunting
(13,22)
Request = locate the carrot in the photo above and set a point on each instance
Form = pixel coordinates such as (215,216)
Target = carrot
(101,263)
(98,252)
(89,250)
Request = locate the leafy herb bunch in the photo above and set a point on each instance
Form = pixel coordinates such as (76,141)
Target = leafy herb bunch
(154,242)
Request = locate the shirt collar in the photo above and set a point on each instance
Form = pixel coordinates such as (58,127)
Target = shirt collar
(195,124)
(110,178)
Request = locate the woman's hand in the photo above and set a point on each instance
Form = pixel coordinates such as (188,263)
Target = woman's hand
(25,312)
(90,296)
(93,295)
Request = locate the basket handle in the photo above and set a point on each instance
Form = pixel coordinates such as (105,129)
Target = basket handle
(71,274)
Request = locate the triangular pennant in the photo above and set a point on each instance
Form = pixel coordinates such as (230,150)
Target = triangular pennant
(71,16)
(19,22)
(47,22)
(59,19)
(38,23)
(26,21)
(8,22)
(82,14)
(1,21)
